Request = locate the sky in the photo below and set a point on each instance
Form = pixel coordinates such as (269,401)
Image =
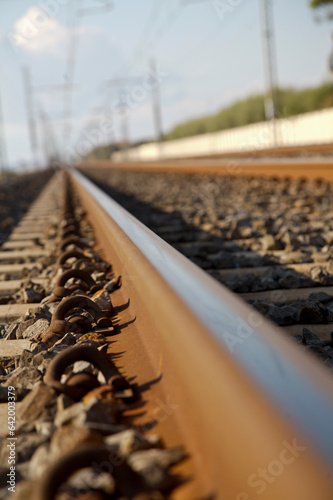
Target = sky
(82,69)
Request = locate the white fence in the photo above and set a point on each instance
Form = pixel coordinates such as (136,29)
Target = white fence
(305,129)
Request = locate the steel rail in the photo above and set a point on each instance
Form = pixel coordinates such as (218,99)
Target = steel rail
(295,168)
(252,392)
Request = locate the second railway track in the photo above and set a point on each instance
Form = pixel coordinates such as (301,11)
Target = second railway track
(201,397)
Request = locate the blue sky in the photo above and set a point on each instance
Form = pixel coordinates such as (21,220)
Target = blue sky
(207,57)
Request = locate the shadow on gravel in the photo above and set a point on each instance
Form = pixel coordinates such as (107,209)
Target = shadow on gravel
(17,193)
(201,247)
(223,259)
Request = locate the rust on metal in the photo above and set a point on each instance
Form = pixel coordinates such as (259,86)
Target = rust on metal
(69,255)
(203,413)
(86,283)
(99,359)
(77,242)
(60,326)
(128,482)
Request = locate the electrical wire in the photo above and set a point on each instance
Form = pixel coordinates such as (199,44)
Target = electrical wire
(108,6)
(148,28)
(69,75)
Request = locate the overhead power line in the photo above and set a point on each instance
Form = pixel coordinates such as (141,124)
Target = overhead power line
(107,6)
(73,35)
(121,84)
(29,99)
(171,18)
(148,28)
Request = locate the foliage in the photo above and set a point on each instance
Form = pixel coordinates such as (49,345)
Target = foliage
(320,3)
(326,6)
(251,110)
(102,152)
(6,172)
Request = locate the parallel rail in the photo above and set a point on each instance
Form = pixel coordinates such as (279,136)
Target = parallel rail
(238,394)
(310,168)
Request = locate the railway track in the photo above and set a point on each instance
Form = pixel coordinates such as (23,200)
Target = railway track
(197,395)
(267,239)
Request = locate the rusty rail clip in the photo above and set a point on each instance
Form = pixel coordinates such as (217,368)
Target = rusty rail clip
(89,283)
(80,384)
(69,230)
(128,482)
(72,240)
(68,255)
(59,326)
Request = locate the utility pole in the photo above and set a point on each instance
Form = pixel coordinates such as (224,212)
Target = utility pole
(271,105)
(51,150)
(121,84)
(30,114)
(124,116)
(3,152)
(45,88)
(45,139)
(330,60)
(108,115)
(156,103)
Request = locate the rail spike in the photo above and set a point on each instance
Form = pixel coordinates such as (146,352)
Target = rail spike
(88,283)
(59,326)
(81,384)
(128,482)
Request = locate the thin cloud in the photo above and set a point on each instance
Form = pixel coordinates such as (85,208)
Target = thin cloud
(38,33)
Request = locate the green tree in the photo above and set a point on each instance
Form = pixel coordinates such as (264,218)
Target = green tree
(325,6)
(252,110)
